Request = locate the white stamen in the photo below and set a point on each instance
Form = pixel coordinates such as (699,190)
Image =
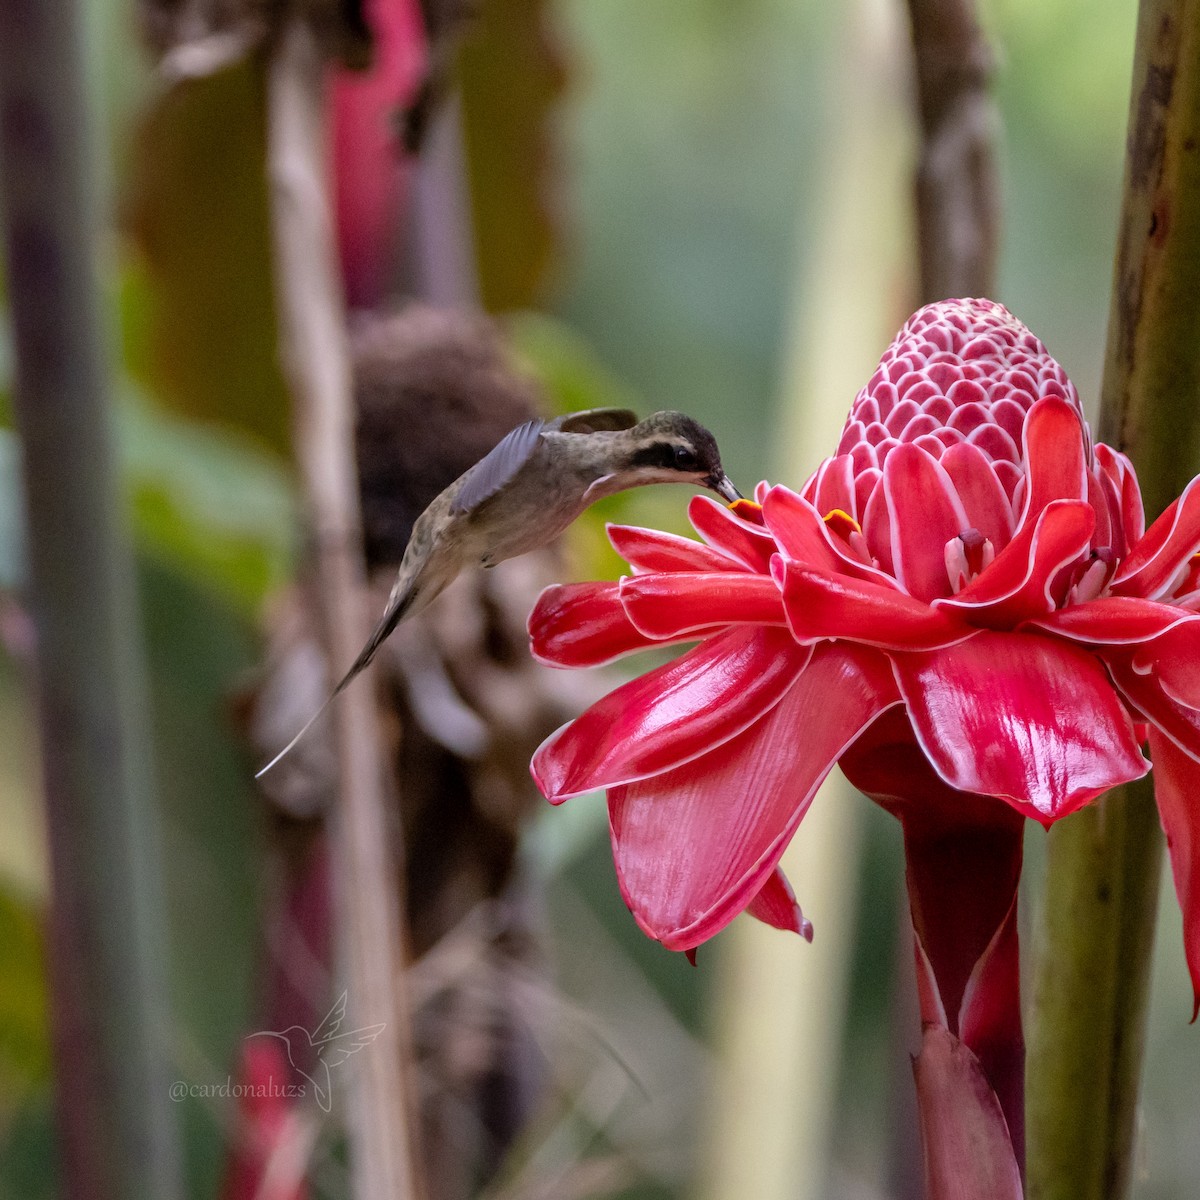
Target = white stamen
(957,570)
(966,557)
(1091,583)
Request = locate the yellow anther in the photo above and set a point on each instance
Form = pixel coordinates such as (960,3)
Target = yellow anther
(842,523)
(748,510)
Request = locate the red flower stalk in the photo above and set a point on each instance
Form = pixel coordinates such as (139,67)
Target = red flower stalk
(960,606)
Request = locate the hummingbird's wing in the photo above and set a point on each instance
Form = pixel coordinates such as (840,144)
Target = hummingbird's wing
(594,420)
(497,467)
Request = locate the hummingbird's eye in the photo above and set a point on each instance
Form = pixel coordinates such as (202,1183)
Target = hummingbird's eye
(685,459)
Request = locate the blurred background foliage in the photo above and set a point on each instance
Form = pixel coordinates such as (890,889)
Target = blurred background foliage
(666,266)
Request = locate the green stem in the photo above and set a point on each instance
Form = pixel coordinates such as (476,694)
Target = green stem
(107,947)
(1090,989)
(1096,933)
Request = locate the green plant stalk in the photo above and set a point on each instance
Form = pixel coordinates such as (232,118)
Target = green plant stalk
(107,944)
(1096,934)
(1090,991)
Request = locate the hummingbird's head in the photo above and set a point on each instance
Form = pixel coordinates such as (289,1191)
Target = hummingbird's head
(670,447)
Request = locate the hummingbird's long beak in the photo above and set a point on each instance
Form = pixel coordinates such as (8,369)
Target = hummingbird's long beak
(723,485)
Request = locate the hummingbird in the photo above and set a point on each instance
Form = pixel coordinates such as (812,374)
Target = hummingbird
(525,492)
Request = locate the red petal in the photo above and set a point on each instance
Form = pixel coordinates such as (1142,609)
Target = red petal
(751,545)
(1174,660)
(268,1160)
(821,606)
(582,625)
(967,1148)
(963,851)
(1111,621)
(693,847)
(775,905)
(925,515)
(798,529)
(654,550)
(1152,564)
(1119,470)
(834,488)
(667,606)
(670,716)
(877,527)
(802,535)
(1055,465)
(1030,720)
(1016,586)
(1106,534)
(1176,780)
(981,493)
(1178,721)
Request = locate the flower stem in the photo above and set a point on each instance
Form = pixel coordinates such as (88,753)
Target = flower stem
(1097,927)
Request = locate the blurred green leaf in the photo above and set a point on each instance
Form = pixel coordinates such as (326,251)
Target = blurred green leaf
(5,351)
(566,366)
(198,650)
(12,532)
(1063,89)
(1055,67)
(6,364)
(692,146)
(207,500)
(24,1029)
(197,298)
(512,73)
(29,1154)
(557,837)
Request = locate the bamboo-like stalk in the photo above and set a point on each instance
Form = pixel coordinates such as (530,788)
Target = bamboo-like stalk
(381,1127)
(108,956)
(1097,929)
(957,188)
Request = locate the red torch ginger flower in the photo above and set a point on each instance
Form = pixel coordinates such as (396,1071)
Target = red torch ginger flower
(961,607)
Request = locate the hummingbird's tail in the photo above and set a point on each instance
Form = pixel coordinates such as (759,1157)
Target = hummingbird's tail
(395,614)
